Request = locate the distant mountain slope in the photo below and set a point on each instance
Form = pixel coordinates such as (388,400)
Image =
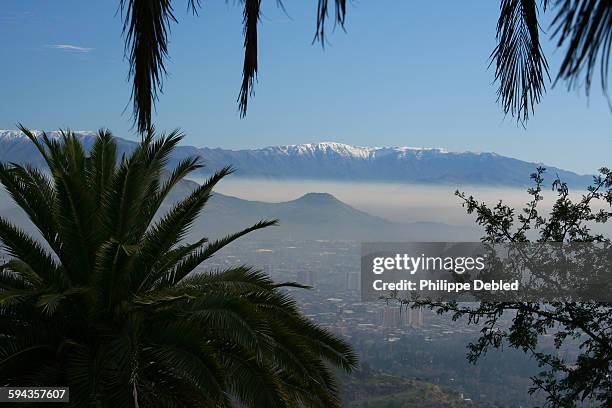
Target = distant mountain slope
(319,216)
(312,216)
(336,161)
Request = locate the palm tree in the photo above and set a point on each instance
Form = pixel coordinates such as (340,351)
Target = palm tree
(582,27)
(108,302)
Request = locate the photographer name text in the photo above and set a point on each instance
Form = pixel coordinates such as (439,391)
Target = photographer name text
(442,285)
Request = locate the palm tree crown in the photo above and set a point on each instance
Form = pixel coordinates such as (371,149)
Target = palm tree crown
(107,303)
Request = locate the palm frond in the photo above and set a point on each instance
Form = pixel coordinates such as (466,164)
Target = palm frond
(125,196)
(10,279)
(188,264)
(157,158)
(81,372)
(32,190)
(253,381)
(13,297)
(111,280)
(129,203)
(328,345)
(101,164)
(29,252)
(50,301)
(585,28)
(255,280)
(26,273)
(73,209)
(146,26)
(160,299)
(164,265)
(521,68)
(250,21)
(230,319)
(184,168)
(172,227)
(239,282)
(192,366)
(39,146)
(19,354)
(323,14)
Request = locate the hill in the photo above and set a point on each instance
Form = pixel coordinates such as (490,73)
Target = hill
(312,216)
(379,390)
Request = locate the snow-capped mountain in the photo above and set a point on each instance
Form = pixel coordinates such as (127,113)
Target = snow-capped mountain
(335,149)
(335,161)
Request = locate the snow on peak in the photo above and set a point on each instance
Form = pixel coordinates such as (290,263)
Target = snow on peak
(339,149)
(6,134)
(311,149)
(326,148)
(346,150)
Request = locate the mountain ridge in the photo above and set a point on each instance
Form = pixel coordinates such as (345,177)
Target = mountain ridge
(335,162)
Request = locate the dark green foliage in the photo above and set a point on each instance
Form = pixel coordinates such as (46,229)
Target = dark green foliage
(375,389)
(112,304)
(566,381)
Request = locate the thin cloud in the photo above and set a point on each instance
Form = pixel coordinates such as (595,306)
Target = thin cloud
(70,47)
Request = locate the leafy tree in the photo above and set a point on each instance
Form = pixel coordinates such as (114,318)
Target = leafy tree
(582,27)
(112,305)
(566,382)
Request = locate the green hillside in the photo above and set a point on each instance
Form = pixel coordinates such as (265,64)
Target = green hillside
(378,390)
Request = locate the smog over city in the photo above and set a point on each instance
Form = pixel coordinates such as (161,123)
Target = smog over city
(315,203)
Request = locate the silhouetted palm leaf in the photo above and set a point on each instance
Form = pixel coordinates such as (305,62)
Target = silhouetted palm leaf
(146,27)
(584,27)
(520,65)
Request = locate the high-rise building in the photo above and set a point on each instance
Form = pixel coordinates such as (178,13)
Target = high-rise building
(395,316)
(416,318)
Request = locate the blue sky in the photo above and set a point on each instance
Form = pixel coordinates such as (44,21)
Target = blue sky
(405,73)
